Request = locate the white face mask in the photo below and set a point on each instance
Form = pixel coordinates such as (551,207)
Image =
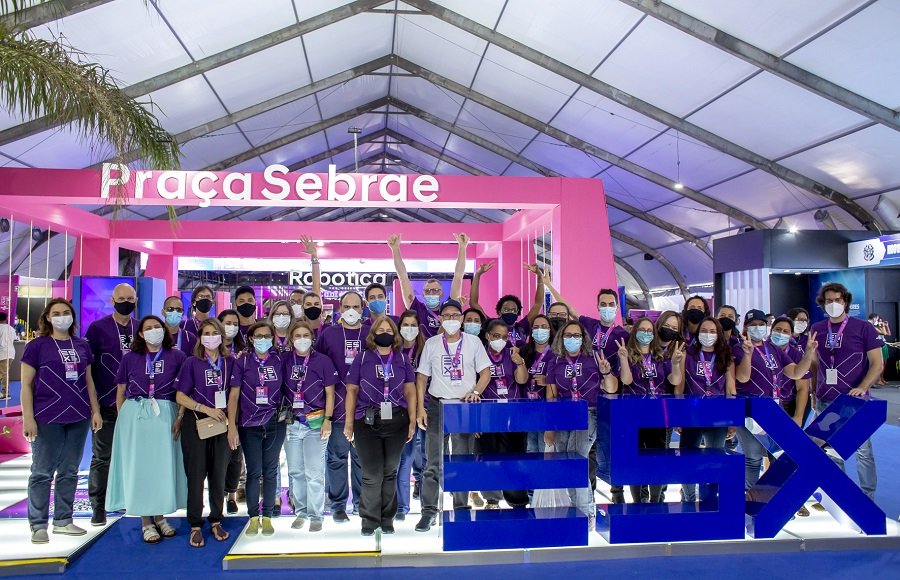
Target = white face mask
(451,326)
(834,309)
(231,330)
(707,339)
(297,309)
(409,332)
(303,344)
(800,326)
(498,344)
(281,321)
(62,322)
(154,336)
(351,317)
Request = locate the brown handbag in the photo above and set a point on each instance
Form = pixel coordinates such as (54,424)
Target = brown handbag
(209,427)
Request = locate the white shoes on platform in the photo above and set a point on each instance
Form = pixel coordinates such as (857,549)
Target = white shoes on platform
(69,530)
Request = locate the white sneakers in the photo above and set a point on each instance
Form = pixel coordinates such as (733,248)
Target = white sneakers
(69,530)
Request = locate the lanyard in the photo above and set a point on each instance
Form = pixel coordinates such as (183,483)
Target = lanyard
(707,371)
(217,366)
(410,354)
(647,363)
(121,338)
(774,371)
(536,365)
(63,358)
(303,367)
(178,340)
(280,341)
(455,358)
(260,364)
(386,369)
(833,337)
(574,365)
(601,338)
(498,359)
(151,372)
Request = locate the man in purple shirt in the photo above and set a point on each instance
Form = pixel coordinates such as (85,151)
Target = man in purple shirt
(376,301)
(429,317)
(850,362)
(341,343)
(109,338)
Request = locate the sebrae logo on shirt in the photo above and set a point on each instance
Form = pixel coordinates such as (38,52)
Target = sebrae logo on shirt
(433,322)
(573,371)
(538,368)
(497,370)
(298,372)
(834,340)
(125,341)
(351,346)
(267,374)
(212,377)
(447,365)
(69,355)
(770,361)
(379,372)
(648,372)
(159,367)
(709,368)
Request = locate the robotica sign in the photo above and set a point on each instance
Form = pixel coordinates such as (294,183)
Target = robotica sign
(356,279)
(274,186)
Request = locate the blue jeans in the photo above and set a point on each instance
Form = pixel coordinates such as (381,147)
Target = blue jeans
(691,438)
(753,456)
(865,460)
(305,452)
(338,450)
(262,448)
(412,460)
(580,442)
(56,450)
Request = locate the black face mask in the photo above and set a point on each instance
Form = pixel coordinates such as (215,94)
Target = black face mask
(203,305)
(667,334)
(727,323)
(246,309)
(509,318)
(312,313)
(384,339)
(124,308)
(695,316)
(557,323)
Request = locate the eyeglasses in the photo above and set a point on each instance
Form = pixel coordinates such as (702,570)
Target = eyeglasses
(454,316)
(568,335)
(557,316)
(509,311)
(297,302)
(499,336)
(433,291)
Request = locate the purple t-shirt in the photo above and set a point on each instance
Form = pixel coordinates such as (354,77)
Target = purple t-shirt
(135,369)
(787,386)
(258,380)
(800,342)
(847,353)
(109,342)
(429,320)
(767,364)
(309,376)
(200,380)
(503,385)
(581,373)
(605,338)
(368,371)
(188,341)
(57,399)
(538,366)
(341,345)
(520,332)
(695,379)
(648,377)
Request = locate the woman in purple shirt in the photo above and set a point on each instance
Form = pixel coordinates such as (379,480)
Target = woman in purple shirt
(281,316)
(256,393)
(508,377)
(761,373)
(234,345)
(577,373)
(309,379)
(794,393)
(173,313)
(146,470)
(708,372)
(412,459)
(59,404)
(643,370)
(381,418)
(203,392)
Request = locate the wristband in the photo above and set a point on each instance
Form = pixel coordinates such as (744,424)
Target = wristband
(197,407)
(314,261)
(476,393)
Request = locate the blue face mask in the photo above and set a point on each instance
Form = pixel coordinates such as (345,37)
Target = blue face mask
(607,314)
(644,337)
(432,301)
(472,328)
(757,332)
(541,335)
(173,318)
(779,339)
(572,344)
(262,344)
(378,306)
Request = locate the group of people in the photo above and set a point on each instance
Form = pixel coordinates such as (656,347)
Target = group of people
(177,403)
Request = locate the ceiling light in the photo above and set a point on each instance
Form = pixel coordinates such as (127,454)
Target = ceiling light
(793,229)
(321,244)
(679,185)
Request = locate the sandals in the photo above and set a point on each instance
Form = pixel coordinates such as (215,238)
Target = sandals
(219,532)
(165,528)
(150,534)
(197,538)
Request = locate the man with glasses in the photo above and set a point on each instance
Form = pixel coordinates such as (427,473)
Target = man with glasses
(109,338)
(429,318)
(459,369)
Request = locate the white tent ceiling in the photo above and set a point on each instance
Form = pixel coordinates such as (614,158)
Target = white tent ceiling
(763,110)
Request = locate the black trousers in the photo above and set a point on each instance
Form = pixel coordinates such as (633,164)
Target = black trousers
(204,460)
(495,443)
(649,439)
(379,447)
(235,468)
(101,449)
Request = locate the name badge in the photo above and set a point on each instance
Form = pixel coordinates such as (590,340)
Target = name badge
(575,395)
(532,395)
(387,411)
(350,351)
(455,384)
(262,395)
(221,402)
(456,375)
(298,400)
(71,371)
(831,376)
